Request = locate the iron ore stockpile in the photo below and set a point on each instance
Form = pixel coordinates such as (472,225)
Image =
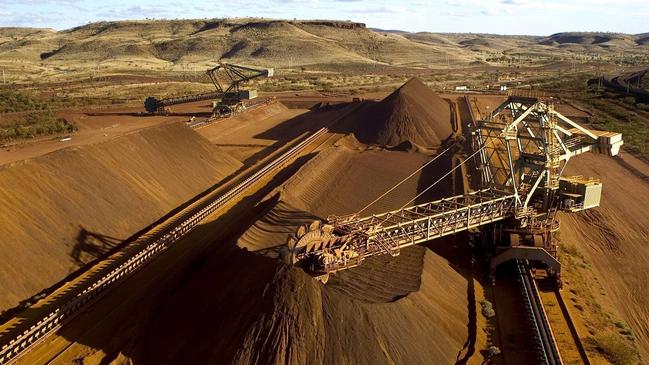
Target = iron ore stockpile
(111,190)
(413,113)
(225,294)
(246,306)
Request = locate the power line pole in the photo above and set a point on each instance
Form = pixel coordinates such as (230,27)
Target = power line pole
(599,83)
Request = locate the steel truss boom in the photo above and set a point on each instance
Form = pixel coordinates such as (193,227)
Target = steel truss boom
(236,75)
(389,232)
(523,147)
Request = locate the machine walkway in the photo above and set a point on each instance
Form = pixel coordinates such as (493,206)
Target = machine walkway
(387,233)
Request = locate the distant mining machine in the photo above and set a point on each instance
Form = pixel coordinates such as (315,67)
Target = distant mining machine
(520,151)
(226,100)
(232,97)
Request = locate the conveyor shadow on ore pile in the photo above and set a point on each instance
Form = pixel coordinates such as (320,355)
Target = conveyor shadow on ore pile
(237,282)
(300,125)
(294,127)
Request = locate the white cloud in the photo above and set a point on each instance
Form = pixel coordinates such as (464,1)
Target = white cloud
(135,12)
(489,12)
(296,1)
(386,9)
(457,13)
(529,16)
(28,20)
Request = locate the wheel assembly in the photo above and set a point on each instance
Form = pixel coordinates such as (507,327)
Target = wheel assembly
(309,238)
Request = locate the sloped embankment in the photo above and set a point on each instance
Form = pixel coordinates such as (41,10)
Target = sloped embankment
(612,242)
(412,113)
(63,209)
(239,304)
(409,309)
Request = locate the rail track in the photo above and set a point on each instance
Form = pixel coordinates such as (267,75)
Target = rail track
(546,346)
(543,337)
(197,124)
(13,348)
(623,83)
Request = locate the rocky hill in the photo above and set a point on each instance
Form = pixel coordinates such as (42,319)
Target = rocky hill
(194,44)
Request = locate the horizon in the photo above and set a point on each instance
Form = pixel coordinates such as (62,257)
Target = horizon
(501,17)
(375,29)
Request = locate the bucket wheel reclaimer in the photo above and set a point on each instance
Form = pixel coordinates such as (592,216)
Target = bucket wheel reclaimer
(313,238)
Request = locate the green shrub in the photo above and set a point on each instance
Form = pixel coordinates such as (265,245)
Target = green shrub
(16,101)
(616,349)
(20,101)
(35,124)
(491,351)
(487,308)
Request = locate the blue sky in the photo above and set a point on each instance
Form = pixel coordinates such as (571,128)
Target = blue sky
(485,16)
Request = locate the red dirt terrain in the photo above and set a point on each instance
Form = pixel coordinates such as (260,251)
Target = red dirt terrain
(234,301)
(238,303)
(84,200)
(417,308)
(613,238)
(95,126)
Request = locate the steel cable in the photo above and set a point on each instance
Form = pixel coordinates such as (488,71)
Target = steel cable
(402,181)
(433,184)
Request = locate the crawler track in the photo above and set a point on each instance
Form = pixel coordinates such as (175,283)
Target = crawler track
(547,350)
(18,345)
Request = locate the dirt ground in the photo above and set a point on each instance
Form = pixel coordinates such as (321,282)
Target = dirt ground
(94,126)
(612,238)
(84,200)
(420,307)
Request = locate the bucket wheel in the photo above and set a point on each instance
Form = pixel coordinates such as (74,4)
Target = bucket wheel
(310,238)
